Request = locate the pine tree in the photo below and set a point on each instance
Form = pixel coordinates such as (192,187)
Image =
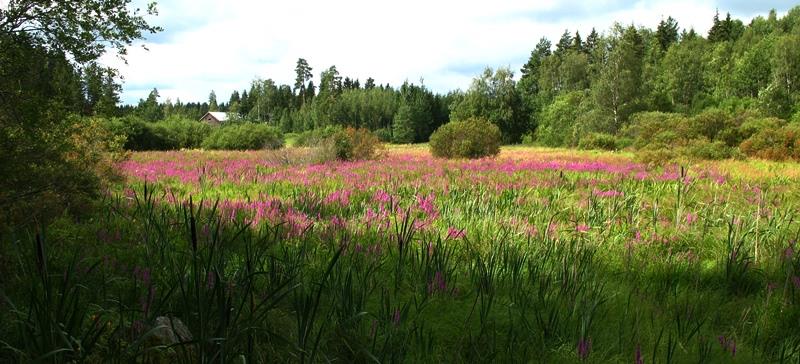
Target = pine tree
(577,42)
(591,44)
(564,44)
(370,84)
(212,101)
(234,97)
(303,75)
(667,33)
(107,104)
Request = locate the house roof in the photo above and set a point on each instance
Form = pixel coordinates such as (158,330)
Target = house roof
(221,116)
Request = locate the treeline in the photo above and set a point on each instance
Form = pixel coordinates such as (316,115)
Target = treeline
(576,92)
(407,114)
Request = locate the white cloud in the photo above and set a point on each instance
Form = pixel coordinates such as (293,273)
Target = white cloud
(223,45)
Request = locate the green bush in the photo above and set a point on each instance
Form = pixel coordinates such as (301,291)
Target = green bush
(244,136)
(656,128)
(350,144)
(706,150)
(656,154)
(384,134)
(601,141)
(312,138)
(170,134)
(754,125)
(471,138)
(774,143)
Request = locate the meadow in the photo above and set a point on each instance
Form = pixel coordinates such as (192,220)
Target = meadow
(537,255)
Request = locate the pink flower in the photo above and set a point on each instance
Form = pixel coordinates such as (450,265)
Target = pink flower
(638,358)
(453,233)
(396,317)
(691,218)
(584,348)
(582,228)
(609,193)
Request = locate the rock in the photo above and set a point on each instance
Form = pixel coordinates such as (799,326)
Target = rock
(170,331)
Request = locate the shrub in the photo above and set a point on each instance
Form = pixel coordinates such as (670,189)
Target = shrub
(656,127)
(774,143)
(471,138)
(355,144)
(656,155)
(384,134)
(599,141)
(753,126)
(65,170)
(170,134)
(244,136)
(706,150)
(314,137)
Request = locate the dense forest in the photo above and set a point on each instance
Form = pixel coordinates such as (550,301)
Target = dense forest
(576,88)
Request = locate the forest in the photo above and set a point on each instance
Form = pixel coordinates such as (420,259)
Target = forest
(717,90)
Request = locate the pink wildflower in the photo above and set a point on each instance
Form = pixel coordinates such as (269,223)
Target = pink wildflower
(453,233)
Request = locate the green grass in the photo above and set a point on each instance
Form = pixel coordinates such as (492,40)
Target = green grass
(565,256)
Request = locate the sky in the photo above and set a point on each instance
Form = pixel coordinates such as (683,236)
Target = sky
(224,45)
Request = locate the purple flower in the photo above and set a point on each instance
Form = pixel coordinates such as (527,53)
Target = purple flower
(638,358)
(396,317)
(727,344)
(453,233)
(584,348)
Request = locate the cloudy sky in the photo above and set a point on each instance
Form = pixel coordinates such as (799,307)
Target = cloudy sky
(224,45)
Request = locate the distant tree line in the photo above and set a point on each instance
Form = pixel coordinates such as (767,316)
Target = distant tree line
(567,90)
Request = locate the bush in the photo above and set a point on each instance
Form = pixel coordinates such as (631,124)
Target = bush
(312,138)
(244,136)
(706,150)
(471,138)
(599,141)
(65,170)
(656,155)
(354,144)
(774,143)
(170,134)
(657,128)
(383,134)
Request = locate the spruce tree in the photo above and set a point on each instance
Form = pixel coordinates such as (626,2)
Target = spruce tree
(667,33)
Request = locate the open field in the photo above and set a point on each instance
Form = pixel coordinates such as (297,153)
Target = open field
(539,255)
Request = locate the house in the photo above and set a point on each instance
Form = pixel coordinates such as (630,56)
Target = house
(215,117)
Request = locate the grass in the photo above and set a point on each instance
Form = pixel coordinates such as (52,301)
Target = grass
(539,255)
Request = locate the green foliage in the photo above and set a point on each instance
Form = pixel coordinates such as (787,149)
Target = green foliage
(493,96)
(383,134)
(403,126)
(314,137)
(702,149)
(557,123)
(171,134)
(53,161)
(617,90)
(244,136)
(471,138)
(599,141)
(360,144)
(775,143)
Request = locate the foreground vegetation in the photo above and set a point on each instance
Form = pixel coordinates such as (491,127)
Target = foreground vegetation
(538,255)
